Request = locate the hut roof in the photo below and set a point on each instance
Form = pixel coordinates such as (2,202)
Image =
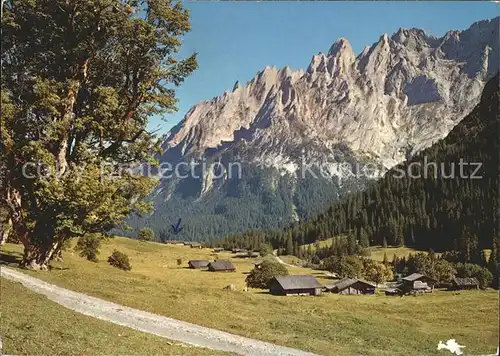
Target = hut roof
(221,265)
(466,281)
(199,263)
(347,282)
(297,282)
(416,276)
(413,277)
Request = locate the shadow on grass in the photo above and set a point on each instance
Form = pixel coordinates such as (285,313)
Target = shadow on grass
(263,292)
(10,258)
(57,268)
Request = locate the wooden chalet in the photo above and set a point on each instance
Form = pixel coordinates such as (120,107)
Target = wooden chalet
(197,264)
(221,266)
(464,283)
(295,285)
(218,249)
(351,286)
(196,245)
(416,283)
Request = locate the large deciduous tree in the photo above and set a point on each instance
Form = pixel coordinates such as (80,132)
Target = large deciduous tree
(80,78)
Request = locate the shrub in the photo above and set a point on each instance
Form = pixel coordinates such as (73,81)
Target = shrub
(260,276)
(119,260)
(265,249)
(146,234)
(88,246)
(179,261)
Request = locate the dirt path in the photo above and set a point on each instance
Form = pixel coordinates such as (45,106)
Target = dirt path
(326,273)
(275,254)
(151,323)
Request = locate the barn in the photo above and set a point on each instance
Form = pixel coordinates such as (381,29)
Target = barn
(352,286)
(295,285)
(465,283)
(416,283)
(196,264)
(221,266)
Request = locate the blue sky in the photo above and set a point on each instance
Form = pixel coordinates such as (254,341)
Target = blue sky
(235,40)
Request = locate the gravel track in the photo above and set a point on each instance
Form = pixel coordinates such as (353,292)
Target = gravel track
(151,323)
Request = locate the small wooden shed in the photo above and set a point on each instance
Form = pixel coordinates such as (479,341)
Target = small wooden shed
(465,283)
(295,285)
(221,266)
(352,286)
(197,264)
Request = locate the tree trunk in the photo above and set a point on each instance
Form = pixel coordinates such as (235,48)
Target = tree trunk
(38,258)
(5,228)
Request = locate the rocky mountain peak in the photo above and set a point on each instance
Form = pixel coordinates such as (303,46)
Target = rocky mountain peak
(339,47)
(397,96)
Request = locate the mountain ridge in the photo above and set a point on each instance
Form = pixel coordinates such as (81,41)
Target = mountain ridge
(450,209)
(380,107)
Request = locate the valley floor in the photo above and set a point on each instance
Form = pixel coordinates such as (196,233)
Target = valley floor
(329,324)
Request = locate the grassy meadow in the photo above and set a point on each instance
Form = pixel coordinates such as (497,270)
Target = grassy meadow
(329,324)
(34,325)
(376,252)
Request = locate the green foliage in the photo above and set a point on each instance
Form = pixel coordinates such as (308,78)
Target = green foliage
(79,81)
(260,276)
(483,275)
(344,266)
(442,271)
(88,246)
(265,249)
(428,264)
(377,272)
(146,234)
(120,260)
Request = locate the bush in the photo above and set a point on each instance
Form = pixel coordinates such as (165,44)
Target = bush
(260,276)
(265,249)
(119,260)
(88,246)
(179,261)
(146,234)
